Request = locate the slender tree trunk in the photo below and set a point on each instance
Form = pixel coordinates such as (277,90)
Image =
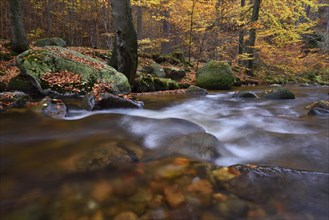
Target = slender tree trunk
(124,57)
(241,35)
(18,42)
(191,31)
(252,37)
(165,46)
(139,22)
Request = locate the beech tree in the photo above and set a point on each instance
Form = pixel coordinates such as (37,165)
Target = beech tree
(124,57)
(18,41)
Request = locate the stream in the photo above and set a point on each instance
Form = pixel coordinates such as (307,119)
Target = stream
(39,177)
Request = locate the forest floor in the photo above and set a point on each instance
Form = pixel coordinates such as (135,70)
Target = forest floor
(265,73)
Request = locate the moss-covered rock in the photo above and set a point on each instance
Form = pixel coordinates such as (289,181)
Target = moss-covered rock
(215,75)
(15,99)
(149,83)
(279,93)
(195,90)
(59,70)
(55,41)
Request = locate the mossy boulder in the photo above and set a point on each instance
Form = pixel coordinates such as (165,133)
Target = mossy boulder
(279,93)
(195,90)
(14,99)
(215,75)
(60,70)
(149,83)
(25,84)
(55,41)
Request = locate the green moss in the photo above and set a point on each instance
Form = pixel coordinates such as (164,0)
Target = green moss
(279,93)
(35,63)
(215,75)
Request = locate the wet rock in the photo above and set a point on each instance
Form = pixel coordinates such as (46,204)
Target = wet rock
(202,146)
(174,196)
(319,108)
(54,108)
(108,101)
(215,75)
(195,90)
(299,191)
(75,73)
(15,99)
(275,85)
(245,94)
(166,129)
(156,202)
(126,216)
(104,156)
(55,41)
(279,93)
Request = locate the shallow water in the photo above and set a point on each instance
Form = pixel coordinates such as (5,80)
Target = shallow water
(37,152)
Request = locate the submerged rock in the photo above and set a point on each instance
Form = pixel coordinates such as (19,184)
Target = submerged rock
(319,108)
(195,90)
(245,94)
(215,75)
(108,101)
(54,108)
(299,191)
(279,93)
(104,156)
(60,70)
(202,146)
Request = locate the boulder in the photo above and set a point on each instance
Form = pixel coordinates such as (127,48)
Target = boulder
(245,94)
(60,70)
(55,41)
(54,108)
(195,90)
(201,146)
(108,101)
(174,73)
(158,70)
(149,83)
(215,75)
(319,108)
(15,99)
(303,192)
(279,93)
(25,84)
(104,156)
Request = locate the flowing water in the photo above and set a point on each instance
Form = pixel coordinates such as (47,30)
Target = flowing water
(38,153)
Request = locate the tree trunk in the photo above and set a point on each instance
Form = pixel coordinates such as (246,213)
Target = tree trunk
(18,42)
(124,57)
(250,49)
(191,31)
(165,46)
(241,35)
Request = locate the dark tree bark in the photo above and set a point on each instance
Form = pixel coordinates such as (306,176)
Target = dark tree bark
(18,42)
(241,35)
(124,57)
(250,49)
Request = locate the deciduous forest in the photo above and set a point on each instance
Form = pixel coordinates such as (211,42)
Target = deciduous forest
(164,109)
